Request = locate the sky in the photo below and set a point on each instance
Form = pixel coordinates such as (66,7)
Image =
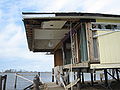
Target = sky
(14,52)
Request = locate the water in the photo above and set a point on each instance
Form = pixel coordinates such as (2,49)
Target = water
(45,77)
(21,83)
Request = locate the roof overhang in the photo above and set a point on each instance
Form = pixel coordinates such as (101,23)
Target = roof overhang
(45,30)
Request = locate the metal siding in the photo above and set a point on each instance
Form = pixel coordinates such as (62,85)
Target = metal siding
(109,47)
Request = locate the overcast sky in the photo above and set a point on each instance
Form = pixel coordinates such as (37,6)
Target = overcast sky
(14,52)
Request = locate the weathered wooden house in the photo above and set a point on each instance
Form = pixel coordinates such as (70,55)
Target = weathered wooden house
(80,42)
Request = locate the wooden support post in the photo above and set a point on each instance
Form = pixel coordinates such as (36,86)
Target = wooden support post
(106,77)
(117,74)
(4,85)
(79,82)
(92,82)
(95,76)
(0,82)
(15,82)
(83,78)
(53,75)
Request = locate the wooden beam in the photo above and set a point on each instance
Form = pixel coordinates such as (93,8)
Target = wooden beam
(90,41)
(79,65)
(73,83)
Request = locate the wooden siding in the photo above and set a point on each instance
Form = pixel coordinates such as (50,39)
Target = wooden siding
(58,58)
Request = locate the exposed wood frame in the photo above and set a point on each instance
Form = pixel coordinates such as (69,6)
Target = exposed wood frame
(90,42)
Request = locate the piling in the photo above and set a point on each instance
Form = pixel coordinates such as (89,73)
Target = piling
(92,82)
(0,82)
(15,82)
(79,82)
(83,78)
(106,77)
(4,85)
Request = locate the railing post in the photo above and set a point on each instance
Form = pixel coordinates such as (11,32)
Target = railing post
(0,82)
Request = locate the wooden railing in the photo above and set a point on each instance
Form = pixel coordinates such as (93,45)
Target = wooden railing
(3,82)
(35,83)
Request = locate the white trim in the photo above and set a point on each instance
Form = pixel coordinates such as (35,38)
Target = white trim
(104,65)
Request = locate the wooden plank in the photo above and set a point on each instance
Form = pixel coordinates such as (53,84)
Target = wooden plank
(103,66)
(79,65)
(90,42)
(72,83)
(58,58)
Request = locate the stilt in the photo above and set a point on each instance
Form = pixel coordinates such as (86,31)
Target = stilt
(0,82)
(117,74)
(94,75)
(52,75)
(106,77)
(79,83)
(113,73)
(92,79)
(83,78)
